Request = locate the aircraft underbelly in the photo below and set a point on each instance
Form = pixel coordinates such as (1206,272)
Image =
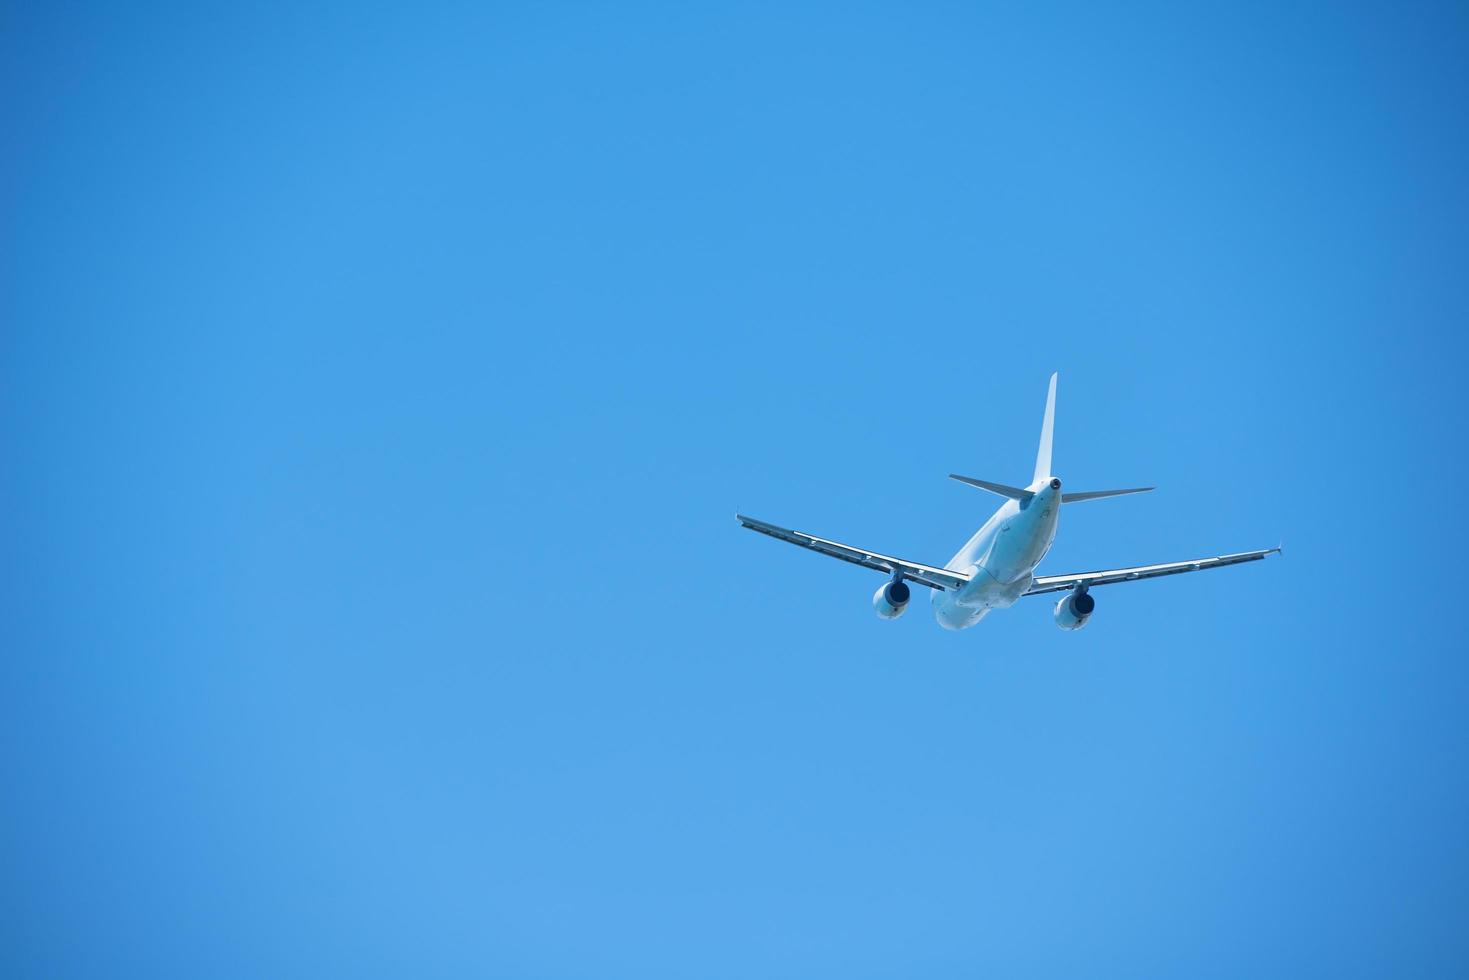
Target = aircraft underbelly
(1003,574)
(962,609)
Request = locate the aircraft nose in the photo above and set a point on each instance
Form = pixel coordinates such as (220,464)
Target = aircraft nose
(1055,483)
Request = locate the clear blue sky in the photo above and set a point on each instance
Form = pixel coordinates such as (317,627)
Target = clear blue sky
(378,387)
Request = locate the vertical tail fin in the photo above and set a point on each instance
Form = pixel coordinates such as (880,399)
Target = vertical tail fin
(1043,455)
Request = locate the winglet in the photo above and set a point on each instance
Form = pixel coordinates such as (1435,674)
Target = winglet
(1043,454)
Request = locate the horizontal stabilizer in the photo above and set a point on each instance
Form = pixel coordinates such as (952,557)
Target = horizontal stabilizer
(1014,493)
(1071,498)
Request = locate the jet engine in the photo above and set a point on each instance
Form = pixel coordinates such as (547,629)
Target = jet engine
(891,599)
(1074,609)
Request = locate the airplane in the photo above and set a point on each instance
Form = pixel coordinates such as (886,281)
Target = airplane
(997,566)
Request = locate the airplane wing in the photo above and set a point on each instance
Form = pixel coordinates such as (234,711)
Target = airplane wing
(1058,583)
(934,578)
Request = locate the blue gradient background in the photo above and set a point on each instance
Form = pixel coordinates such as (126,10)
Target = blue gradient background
(379,386)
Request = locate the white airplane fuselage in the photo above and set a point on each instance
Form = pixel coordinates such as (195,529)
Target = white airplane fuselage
(1001,556)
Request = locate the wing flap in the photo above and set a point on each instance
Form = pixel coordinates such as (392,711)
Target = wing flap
(1058,583)
(934,578)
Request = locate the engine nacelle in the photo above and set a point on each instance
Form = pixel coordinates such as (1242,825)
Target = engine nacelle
(891,599)
(1074,609)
